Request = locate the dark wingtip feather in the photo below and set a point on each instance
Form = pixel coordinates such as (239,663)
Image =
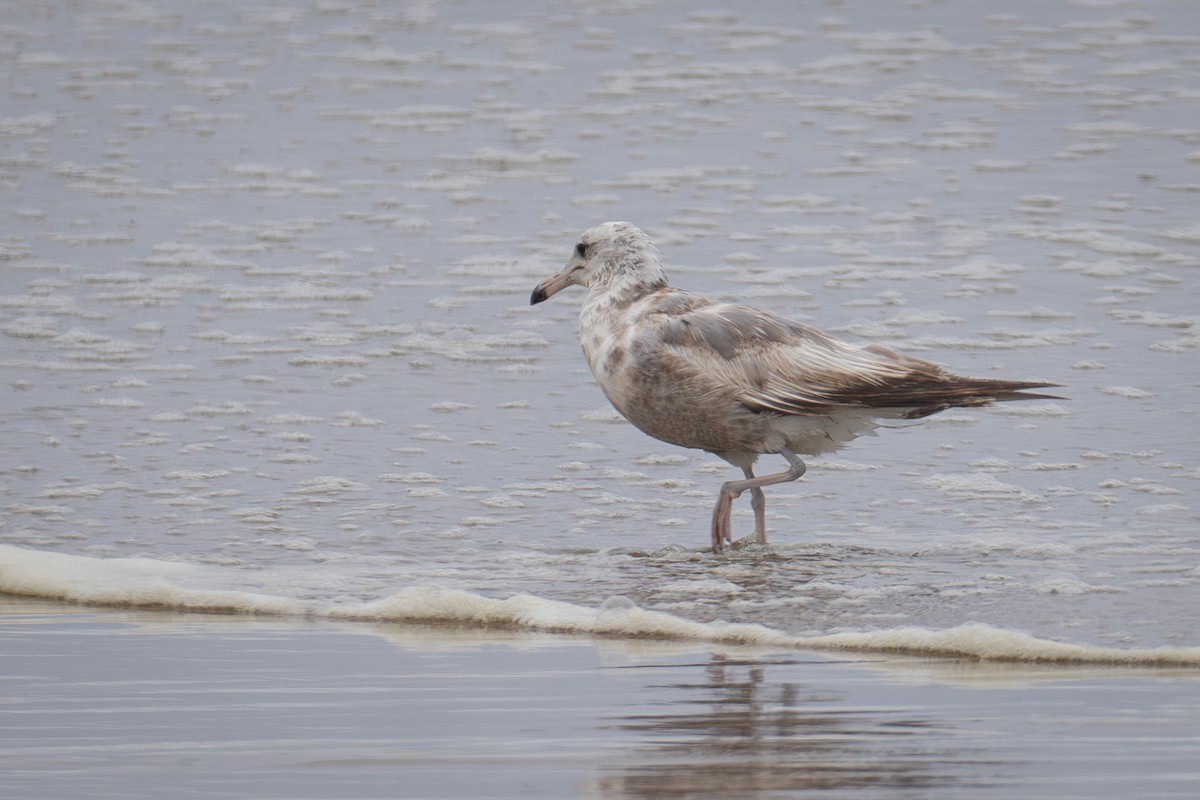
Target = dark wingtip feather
(1015,390)
(1024,395)
(931,396)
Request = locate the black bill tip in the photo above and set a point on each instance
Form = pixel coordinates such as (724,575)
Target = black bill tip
(539,294)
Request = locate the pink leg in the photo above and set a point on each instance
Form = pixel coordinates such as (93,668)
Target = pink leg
(758,501)
(722,528)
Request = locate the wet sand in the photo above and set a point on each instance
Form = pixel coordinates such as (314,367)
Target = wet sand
(146,704)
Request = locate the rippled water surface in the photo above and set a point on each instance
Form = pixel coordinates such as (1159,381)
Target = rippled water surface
(264,284)
(266,349)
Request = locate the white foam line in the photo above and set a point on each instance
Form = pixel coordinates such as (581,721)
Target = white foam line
(617,617)
(148,583)
(988,643)
(974,640)
(126,582)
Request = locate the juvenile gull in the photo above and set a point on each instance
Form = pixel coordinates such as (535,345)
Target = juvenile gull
(739,381)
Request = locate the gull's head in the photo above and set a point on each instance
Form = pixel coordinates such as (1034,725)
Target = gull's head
(609,257)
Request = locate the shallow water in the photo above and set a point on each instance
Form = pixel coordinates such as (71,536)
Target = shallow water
(216,707)
(264,283)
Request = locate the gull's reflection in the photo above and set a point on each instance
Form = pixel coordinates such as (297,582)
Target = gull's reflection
(736,733)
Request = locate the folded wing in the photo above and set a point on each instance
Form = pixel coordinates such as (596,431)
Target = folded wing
(773,364)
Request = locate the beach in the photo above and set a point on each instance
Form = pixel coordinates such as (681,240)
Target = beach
(300,496)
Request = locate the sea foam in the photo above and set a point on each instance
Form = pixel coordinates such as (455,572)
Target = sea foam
(150,583)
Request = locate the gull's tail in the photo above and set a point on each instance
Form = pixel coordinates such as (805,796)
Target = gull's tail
(953,390)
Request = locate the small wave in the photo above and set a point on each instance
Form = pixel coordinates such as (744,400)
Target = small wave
(149,583)
(126,582)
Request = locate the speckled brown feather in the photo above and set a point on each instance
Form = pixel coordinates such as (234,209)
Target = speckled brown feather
(738,381)
(790,368)
(709,375)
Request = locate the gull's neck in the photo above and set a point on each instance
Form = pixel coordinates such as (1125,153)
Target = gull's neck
(627,279)
(622,293)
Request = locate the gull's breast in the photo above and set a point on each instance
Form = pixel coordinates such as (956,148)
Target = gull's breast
(664,395)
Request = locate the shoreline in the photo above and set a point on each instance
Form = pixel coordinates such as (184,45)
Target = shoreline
(141,584)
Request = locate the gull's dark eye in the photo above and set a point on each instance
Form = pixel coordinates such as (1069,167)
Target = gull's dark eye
(581,250)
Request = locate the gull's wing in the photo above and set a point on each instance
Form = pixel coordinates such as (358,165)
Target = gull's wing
(771,363)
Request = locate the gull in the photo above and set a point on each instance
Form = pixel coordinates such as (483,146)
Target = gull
(736,381)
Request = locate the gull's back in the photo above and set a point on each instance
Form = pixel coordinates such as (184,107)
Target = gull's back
(729,378)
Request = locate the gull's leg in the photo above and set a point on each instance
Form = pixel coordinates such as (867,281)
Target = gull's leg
(720,519)
(722,529)
(758,501)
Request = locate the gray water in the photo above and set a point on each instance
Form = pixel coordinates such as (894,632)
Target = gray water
(204,706)
(264,279)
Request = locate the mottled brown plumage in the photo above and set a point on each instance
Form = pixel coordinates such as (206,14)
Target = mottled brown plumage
(739,381)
